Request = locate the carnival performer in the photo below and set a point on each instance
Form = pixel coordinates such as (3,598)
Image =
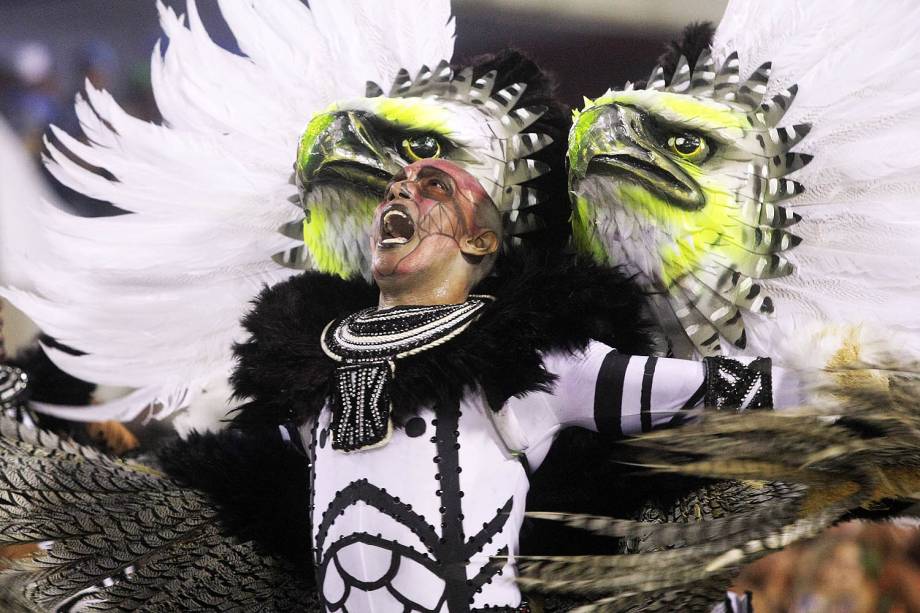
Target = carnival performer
(423,408)
(420,408)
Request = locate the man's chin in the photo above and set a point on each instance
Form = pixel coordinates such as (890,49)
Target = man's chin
(387,260)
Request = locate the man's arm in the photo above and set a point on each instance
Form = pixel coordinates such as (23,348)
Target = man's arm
(610,392)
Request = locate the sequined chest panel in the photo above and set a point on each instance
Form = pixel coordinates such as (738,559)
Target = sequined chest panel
(413,525)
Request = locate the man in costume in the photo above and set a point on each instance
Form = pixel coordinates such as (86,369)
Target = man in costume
(420,456)
(553,322)
(422,409)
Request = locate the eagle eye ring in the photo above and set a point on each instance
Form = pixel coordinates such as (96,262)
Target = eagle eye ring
(687,146)
(421,147)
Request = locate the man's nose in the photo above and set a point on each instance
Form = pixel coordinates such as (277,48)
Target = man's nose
(400,189)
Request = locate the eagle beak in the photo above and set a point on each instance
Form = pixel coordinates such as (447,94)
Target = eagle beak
(615,141)
(340,147)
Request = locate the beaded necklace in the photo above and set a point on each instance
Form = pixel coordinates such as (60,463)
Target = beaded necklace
(368,343)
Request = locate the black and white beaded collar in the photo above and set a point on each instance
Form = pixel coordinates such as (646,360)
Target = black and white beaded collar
(367,344)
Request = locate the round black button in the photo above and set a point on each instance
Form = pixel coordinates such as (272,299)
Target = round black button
(415,427)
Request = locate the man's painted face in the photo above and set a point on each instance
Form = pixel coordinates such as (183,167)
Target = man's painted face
(428,213)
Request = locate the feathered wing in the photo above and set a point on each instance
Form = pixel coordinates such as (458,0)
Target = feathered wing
(151,300)
(115,535)
(21,190)
(854,66)
(795,474)
(799,207)
(20,238)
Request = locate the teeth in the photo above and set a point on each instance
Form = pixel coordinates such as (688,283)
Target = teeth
(395,224)
(394,212)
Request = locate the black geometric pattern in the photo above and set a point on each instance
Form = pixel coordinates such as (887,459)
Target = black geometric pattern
(361,405)
(730,384)
(447,556)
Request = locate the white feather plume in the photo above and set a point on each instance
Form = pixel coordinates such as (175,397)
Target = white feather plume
(857,65)
(21,190)
(153,299)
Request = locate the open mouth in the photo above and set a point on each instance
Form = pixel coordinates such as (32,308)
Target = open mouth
(396,226)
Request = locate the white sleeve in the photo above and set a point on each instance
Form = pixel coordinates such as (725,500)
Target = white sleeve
(613,393)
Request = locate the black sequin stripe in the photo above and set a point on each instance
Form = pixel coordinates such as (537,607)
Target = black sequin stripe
(645,399)
(524,607)
(489,530)
(314,430)
(453,551)
(488,572)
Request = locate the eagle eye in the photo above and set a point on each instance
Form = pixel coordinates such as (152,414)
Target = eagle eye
(690,147)
(421,147)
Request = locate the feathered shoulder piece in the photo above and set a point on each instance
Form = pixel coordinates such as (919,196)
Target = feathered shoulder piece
(223,525)
(284,373)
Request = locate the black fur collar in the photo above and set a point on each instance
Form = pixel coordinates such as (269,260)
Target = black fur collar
(284,375)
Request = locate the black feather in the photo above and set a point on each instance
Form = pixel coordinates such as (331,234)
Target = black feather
(694,39)
(259,483)
(514,66)
(285,375)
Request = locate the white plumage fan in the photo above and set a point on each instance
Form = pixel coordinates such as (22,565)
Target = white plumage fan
(857,66)
(152,299)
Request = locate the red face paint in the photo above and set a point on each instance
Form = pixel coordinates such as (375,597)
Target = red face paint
(429,208)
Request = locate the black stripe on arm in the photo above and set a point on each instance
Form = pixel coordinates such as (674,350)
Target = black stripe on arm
(697,397)
(608,394)
(645,403)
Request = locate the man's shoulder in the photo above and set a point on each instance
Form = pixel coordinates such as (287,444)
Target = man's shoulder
(304,302)
(281,370)
(563,305)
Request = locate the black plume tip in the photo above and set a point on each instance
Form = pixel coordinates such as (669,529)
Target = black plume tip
(694,39)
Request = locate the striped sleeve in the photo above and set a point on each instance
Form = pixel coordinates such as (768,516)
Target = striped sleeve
(635,394)
(623,395)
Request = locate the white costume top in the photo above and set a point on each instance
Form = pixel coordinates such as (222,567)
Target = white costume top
(414,524)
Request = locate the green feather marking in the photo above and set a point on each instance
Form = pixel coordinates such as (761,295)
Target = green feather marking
(329,256)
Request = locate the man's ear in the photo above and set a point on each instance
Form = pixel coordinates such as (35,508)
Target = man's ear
(483,244)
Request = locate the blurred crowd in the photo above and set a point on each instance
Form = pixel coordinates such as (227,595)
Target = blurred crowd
(857,567)
(37,89)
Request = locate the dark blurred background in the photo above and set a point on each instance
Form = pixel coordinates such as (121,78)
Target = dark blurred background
(47,47)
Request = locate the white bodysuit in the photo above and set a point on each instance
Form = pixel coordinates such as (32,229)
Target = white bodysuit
(425,521)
